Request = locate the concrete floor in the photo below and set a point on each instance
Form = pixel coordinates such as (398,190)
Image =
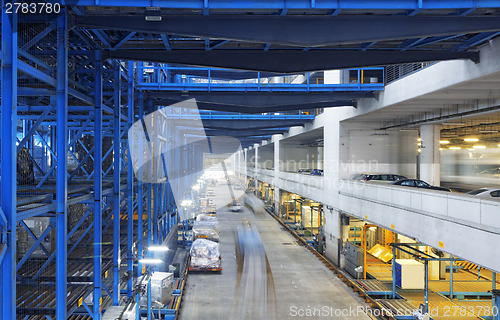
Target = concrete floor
(305,288)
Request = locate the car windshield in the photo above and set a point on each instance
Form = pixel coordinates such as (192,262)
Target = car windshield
(476,192)
(421,183)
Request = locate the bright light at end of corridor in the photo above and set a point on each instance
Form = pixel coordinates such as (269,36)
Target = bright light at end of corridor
(158,248)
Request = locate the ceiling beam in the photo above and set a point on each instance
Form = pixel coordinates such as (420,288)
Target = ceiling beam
(259,99)
(299,31)
(287,61)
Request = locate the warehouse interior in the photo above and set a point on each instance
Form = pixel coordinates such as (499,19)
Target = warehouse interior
(250,159)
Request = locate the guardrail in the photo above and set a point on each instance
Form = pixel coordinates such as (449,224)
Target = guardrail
(162,77)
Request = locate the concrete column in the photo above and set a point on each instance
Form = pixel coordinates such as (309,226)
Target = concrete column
(256,166)
(429,155)
(320,158)
(276,156)
(256,162)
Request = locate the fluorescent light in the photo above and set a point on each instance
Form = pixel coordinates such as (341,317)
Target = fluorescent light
(151,261)
(444,142)
(454,148)
(471,139)
(419,150)
(489,131)
(419,139)
(158,248)
(479,147)
(453,123)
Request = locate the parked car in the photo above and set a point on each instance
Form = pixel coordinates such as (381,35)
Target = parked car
(385,177)
(317,172)
(306,171)
(486,192)
(418,184)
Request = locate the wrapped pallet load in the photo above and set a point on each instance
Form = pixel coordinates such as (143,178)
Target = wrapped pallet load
(205,256)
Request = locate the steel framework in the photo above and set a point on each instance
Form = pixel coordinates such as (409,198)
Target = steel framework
(70,92)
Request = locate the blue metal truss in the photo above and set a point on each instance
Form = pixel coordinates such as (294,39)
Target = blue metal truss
(295,4)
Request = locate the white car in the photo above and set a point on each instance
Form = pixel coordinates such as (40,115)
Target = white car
(487,192)
(236,207)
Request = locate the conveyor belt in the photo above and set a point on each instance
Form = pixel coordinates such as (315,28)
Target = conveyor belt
(371,286)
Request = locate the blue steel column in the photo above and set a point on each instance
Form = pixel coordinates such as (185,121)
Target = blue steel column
(61,179)
(130,183)
(140,193)
(97,186)
(116,185)
(8,160)
(394,272)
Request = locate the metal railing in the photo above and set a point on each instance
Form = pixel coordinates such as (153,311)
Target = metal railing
(395,72)
(164,77)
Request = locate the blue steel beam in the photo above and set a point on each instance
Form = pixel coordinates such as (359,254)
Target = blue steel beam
(37,38)
(285,61)
(140,192)
(300,31)
(62,170)
(293,4)
(265,108)
(166,41)
(475,40)
(97,187)
(116,185)
(8,160)
(123,39)
(33,128)
(130,183)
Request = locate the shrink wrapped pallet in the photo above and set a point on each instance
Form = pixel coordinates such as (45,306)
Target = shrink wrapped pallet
(205,254)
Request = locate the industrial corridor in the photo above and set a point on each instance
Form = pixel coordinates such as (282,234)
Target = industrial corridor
(250,159)
(305,287)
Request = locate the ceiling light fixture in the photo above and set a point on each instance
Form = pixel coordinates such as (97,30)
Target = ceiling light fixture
(471,139)
(444,142)
(479,147)
(454,148)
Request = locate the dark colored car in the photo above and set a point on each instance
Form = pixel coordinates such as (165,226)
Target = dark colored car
(317,172)
(418,184)
(307,171)
(379,177)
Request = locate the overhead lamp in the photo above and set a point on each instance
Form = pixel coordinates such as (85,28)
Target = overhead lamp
(454,148)
(479,147)
(499,145)
(153,14)
(453,123)
(444,142)
(419,139)
(158,248)
(419,150)
(150,261)
(488,131)
(471,139)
